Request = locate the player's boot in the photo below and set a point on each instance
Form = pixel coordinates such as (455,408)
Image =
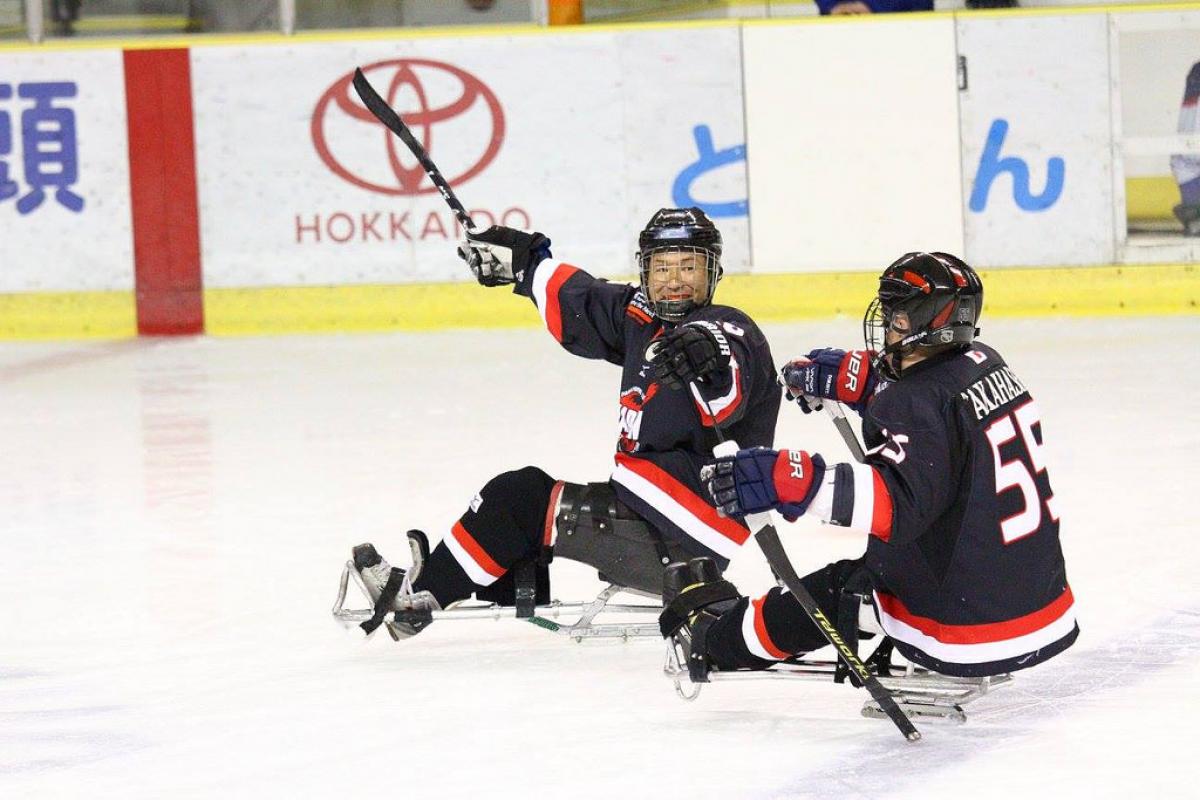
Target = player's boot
(391,592)
(694,596)
(1189,216)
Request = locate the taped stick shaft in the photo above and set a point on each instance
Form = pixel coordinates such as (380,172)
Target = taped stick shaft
(391,120)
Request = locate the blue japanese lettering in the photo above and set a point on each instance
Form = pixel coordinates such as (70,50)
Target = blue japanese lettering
(8,187)
(49,147)
(708,159)
(991,165)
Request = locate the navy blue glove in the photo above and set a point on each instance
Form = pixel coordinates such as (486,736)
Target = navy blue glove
(761,479)
(832,374)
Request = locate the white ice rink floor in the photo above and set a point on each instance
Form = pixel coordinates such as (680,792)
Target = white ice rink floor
(174,516)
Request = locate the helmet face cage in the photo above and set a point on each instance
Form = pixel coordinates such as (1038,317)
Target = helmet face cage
(685,231)
(675,310)
(941,298)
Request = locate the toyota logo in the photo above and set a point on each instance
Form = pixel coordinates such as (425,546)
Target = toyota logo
(429,96)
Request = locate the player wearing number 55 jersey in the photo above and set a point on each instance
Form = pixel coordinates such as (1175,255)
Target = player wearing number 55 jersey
(963,554)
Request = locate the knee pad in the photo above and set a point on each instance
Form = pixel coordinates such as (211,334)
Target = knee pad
(517,487)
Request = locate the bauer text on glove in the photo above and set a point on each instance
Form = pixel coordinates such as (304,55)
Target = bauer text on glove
(760,479)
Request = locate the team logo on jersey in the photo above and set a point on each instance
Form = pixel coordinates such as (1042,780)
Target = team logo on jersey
(427,95)
(633,401)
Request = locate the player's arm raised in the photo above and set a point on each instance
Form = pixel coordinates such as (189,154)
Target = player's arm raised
(584,314)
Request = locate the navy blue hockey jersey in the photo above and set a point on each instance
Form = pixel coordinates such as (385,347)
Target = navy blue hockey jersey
(964,549)
(665,435)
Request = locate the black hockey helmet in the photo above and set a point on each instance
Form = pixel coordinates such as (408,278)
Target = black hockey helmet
(680,230)
(940,297)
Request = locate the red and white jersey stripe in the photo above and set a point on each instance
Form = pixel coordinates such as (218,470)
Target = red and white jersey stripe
(479,566)
(754,632)
(547,281)
(978,644)
(870,506)
(680,505)
(723,406)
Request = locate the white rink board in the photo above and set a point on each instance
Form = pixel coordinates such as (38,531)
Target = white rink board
(852,166)
(51,247)
(1056,106)
(584,153)
(674,82)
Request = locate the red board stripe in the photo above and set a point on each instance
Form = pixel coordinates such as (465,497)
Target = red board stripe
(162,182)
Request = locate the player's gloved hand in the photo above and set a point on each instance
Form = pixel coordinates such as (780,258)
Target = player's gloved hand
(499,255)
(761,479)
(831,374)
(695,351)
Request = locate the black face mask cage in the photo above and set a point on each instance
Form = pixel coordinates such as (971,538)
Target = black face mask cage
(874,326)
(876,321)
(675,310)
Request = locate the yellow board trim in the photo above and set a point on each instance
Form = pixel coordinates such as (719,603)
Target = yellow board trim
(1069,291)
(1151,198)
(1144,290)
(68,315)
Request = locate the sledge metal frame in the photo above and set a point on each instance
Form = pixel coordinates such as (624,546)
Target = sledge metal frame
(920,693)
(583,627)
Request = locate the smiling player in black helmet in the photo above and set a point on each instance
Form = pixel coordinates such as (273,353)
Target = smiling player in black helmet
(686,365)
(962,530)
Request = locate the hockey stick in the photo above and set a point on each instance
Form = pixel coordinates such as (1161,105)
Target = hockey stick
(838,415)
(391,120)
(768,541)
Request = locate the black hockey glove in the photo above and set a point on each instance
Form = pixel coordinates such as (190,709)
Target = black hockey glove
(498,256)
(697,351)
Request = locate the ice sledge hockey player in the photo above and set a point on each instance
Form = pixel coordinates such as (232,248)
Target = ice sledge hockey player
(963,556)
(653,509)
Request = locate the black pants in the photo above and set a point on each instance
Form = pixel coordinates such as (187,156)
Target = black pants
(508,523)
(785,627)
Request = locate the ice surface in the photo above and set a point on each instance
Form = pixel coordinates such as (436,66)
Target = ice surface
(174,515)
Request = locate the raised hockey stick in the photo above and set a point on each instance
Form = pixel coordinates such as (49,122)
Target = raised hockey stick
(768,541)
(391,120)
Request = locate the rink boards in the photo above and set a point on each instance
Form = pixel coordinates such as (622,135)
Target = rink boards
(234,185)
